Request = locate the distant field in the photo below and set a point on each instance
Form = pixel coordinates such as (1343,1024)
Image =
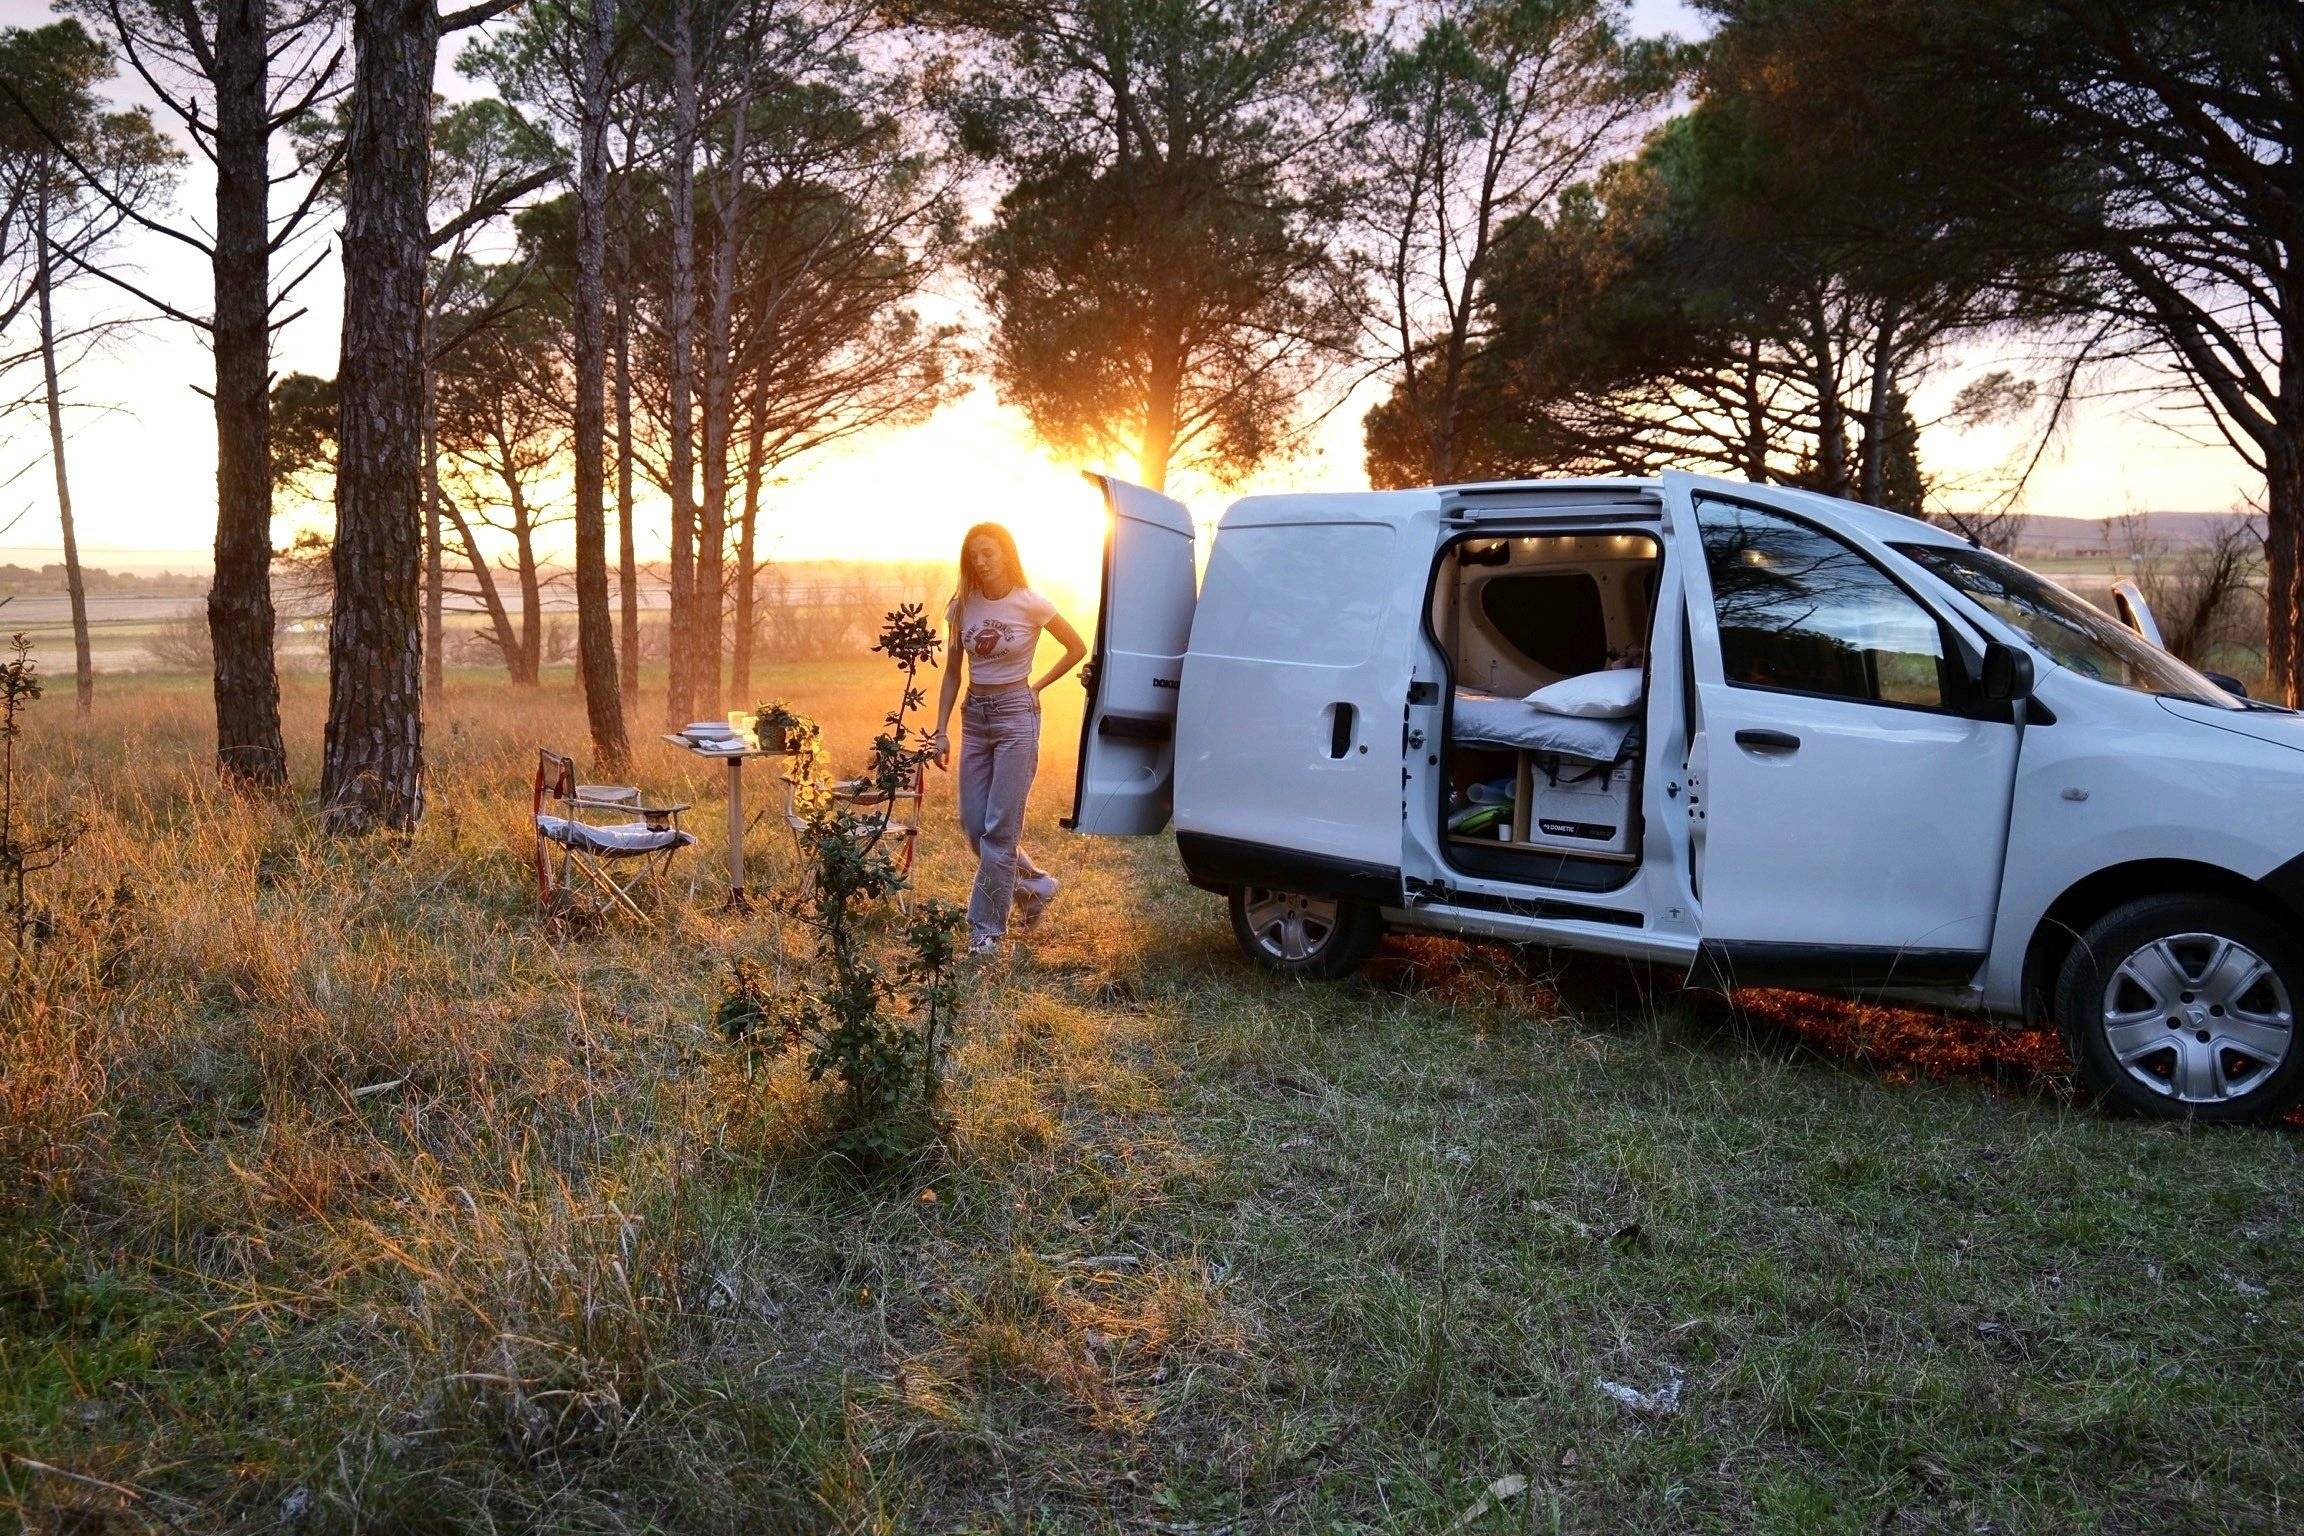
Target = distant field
(338,1193)
(122,630)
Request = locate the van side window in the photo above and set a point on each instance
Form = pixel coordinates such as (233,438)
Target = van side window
(1802,612)
(1553,618)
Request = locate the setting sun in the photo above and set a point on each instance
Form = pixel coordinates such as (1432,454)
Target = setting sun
(910,498)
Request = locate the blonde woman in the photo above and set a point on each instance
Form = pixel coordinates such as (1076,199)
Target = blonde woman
(994,621)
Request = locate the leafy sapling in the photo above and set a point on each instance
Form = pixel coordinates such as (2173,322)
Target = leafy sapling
(879,1037)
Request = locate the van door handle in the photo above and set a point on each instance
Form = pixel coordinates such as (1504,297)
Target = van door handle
(1768,741)
(1340,731)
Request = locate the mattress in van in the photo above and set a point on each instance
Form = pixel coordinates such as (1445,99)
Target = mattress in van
(1484,720)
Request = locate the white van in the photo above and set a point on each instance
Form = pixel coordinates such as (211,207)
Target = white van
(1776,738)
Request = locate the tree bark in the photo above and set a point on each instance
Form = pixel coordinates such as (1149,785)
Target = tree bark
(681,339)
(249,750)
(595,630)
(83,666)
(627,563)
(2283,444)
(435,562)
(2283,571)
(372,769)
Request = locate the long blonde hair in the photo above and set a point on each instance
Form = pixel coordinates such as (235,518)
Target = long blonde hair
(1006,543)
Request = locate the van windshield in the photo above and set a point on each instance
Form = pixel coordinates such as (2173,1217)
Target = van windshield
(2068,630)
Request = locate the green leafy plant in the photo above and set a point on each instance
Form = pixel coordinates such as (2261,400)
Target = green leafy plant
(778,728)
(876,1027)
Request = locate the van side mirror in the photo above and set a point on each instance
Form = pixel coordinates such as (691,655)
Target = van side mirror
(2007,673)
(2228,683)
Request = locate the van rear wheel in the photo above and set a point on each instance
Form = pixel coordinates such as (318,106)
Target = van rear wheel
(1318,938)
(2184,1008)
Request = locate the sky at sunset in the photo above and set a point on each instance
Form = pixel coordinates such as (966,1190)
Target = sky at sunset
(142,449)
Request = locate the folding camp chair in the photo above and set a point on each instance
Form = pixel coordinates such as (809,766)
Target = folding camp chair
(905,809)
(616,858)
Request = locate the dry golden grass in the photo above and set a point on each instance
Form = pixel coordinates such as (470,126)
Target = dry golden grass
(480,1211)
(340,1191)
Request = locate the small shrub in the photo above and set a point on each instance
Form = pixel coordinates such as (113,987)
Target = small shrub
(879,1036)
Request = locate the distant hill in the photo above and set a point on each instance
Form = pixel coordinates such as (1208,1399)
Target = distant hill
(21,580)
(2052,537)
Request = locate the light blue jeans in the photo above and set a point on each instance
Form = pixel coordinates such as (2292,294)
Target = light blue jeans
(999,751)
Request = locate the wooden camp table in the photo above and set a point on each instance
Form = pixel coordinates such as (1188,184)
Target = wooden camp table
(738,900)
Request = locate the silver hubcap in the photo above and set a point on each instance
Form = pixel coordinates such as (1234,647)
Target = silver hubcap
(1287,926)
(2197,1018)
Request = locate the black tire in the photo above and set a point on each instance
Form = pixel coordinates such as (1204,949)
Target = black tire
(1314,938)
(2182,1007)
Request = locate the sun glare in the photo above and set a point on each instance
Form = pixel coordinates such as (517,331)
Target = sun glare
(909,497)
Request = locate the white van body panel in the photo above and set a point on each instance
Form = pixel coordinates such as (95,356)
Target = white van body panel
(2122,778)
(1289,722)
(1930,830)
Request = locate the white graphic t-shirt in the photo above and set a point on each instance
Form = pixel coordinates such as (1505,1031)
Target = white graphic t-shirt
(999,634)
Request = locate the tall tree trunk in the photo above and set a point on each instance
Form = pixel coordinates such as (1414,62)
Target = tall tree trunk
(627,562)
(1755,418)
(2284,507)
(83,666)
(1874,464)
(530,670)
(595,629)
(372,769)
(491,600)
(2283,570)
(435,560)
(1830,465)
(681,340)
(1162,388)
(249,750)
(747,557)
(719,406)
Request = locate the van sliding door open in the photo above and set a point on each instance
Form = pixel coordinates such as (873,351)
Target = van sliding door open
(1125,784)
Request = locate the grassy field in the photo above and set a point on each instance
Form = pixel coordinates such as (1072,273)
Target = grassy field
(338,1193)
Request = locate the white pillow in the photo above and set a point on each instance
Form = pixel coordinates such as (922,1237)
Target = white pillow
(1613,695)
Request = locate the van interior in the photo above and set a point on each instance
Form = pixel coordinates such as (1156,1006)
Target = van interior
(1546,789)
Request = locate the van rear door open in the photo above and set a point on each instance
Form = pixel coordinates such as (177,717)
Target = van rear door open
(1126,782)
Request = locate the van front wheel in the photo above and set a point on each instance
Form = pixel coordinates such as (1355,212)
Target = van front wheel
(1318,938)
(2184,1007)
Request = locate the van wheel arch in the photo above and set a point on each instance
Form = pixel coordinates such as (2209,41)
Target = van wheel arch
(2071,914)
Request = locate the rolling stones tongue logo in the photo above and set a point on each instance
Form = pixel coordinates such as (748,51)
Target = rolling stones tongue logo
(985,640)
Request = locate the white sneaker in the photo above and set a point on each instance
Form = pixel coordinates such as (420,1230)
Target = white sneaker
(1032,900)
(983,946)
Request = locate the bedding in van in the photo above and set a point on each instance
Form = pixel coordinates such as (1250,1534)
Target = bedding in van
(1484,720)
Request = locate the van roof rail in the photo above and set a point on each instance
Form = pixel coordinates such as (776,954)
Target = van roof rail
(1604,494)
